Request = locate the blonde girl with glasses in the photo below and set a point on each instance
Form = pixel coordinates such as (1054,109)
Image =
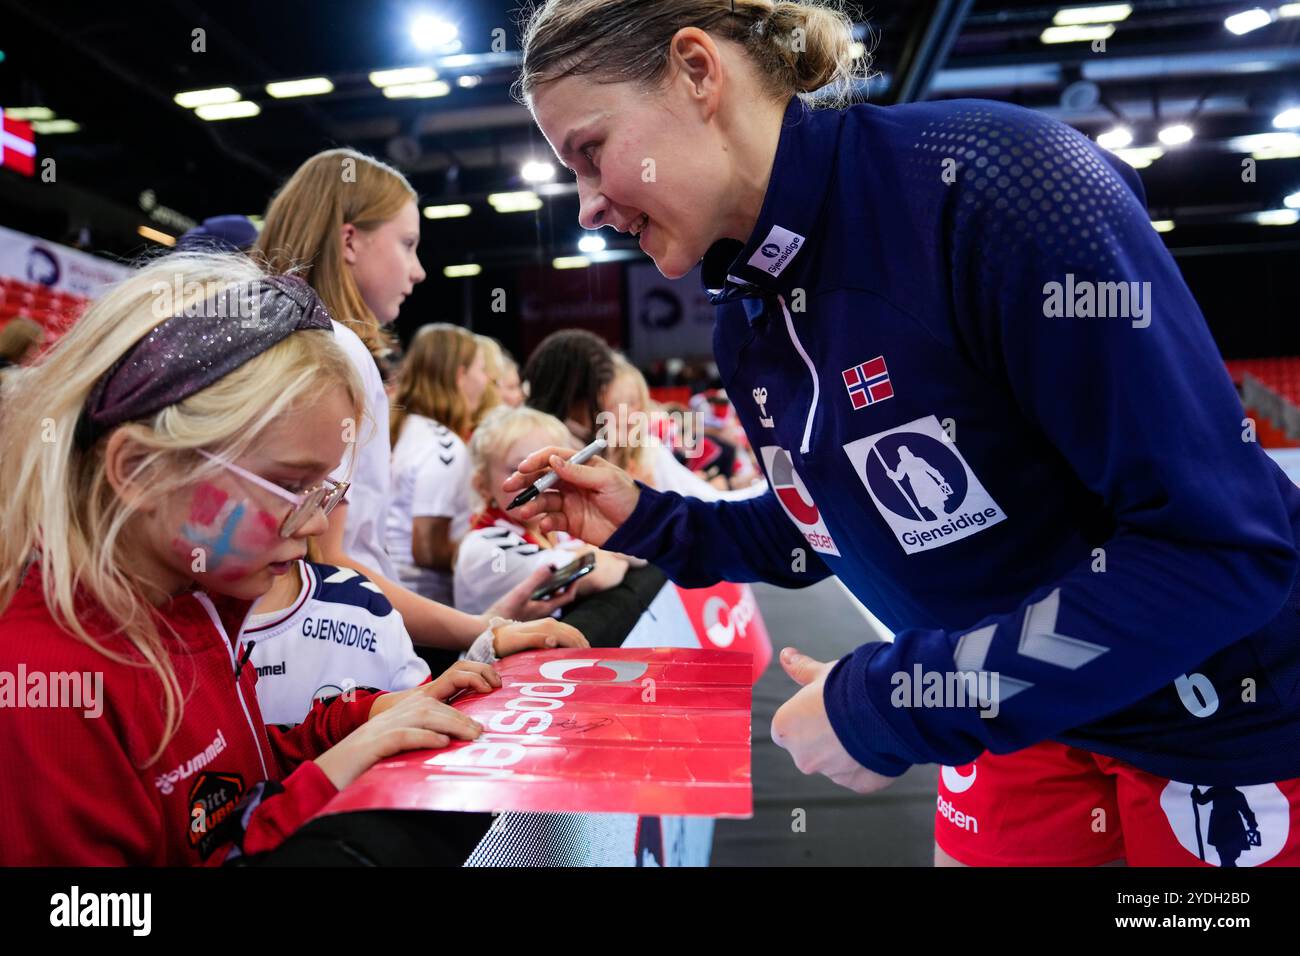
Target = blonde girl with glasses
(350,226)
(163,465)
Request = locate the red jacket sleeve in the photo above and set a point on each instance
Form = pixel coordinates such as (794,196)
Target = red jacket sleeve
(326,724)
(70,794)
(271,811)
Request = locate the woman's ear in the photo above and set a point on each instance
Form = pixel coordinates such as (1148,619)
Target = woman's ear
(123,456)
(349,236)
(699,62)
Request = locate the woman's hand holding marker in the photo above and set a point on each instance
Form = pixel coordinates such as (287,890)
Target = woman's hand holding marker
(588,501)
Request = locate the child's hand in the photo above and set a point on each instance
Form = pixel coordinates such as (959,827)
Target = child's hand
(410,720)
(460,676)
(519,605)
(535,635)
(609,573)
(464,675)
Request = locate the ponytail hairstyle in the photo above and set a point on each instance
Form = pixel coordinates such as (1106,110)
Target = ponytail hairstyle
(303,223)
(60,509)
(796,47)
(426,383)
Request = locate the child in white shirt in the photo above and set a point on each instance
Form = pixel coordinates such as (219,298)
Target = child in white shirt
(498,552)
(439,388)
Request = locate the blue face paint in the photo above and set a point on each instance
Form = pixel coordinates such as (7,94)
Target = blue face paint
(218,545)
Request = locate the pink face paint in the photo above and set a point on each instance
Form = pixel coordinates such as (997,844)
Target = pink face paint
(258,533)
(270,522)
(206,504)
(232,536)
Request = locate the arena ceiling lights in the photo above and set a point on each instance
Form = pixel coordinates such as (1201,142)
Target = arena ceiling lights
(523,201)
(310,86)
(1104,13)
(430,33)
(43,119)
(191,99)
(1247,21)
(218,103)
(1085,24)
(417,91)
(535,171)
(1116,138)
(403,76)
(29,114)
(240,109)
(451,211)
(465,271)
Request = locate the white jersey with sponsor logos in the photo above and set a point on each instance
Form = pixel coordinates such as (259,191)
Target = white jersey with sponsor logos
(367,500)
(431,479)
(493,560)
(339,633)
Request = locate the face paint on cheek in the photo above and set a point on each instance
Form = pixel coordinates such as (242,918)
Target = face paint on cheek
(258,534)
(207,503)
(267,525)
(256,538)
(222,535)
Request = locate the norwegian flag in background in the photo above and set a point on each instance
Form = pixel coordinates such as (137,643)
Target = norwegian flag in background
(17,145)
(868,383)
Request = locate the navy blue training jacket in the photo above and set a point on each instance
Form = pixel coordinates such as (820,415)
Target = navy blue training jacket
(986,401)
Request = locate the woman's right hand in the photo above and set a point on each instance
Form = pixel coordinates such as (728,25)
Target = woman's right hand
(418,722)
(589,502)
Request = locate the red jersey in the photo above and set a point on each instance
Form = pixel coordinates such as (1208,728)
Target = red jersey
(77,729)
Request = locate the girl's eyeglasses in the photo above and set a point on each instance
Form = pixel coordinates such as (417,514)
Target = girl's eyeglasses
(325,496)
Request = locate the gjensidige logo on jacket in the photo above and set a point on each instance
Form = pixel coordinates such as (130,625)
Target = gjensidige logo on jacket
(922,486)
(777,250)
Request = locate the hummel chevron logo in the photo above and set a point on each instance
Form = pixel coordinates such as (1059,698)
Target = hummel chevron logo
(1039,640)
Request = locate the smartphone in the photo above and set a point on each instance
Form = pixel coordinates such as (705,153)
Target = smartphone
(565,576)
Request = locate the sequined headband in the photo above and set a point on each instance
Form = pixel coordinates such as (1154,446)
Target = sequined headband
(197,345)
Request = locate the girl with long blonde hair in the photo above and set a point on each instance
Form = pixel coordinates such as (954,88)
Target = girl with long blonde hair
(350,224)
(439,388)
(162,466)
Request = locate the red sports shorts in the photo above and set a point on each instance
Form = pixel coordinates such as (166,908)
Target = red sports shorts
(1053,805)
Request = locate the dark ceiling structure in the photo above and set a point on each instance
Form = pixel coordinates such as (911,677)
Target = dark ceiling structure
(138,158)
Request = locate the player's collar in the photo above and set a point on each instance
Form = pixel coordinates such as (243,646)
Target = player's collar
(780,251)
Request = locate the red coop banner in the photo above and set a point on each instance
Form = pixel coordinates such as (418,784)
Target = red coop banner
(648,731)
(726,617)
